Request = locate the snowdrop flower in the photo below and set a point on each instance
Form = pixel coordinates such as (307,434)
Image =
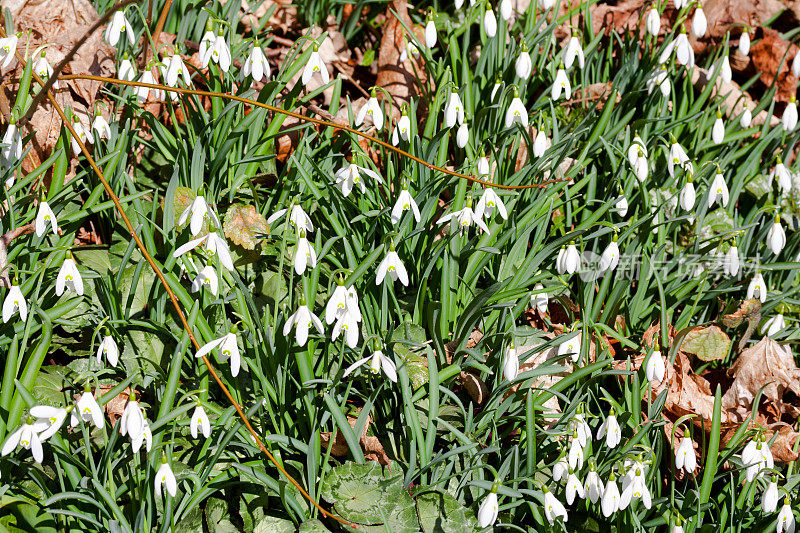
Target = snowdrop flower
(516,112)
(796,66)
(688,195)
(213,243)
(315,65)
(653,22)
(453,111)
(206,278)
(725,72)
(568,259)
(176,71)
(682,49)
(200,422)
(228,349)
(82,134)
(486,205)
(718,130)
(489,22)
(718,191)
(146,438)
(8,45)
(402,130)
(108,347)
(15,302)
(88,410)
(198,210)
(27,437)
(560,84)
(610,501)
(410,50)
(51,418)
(783,176)
(684,455)
(773,325)
(786,521)
(350,175)
(699,22)
(484,168)
(392,265)
(143,92)
(659,78)
(769,500)
(69,278)
(219,53)
(574,51)
(756,456)
(304,255)
(348,323)
(506,9)
(730,264)
(337,304)
(45,217)
(610,430)
(636,488)
(131,422)
(43,69)
(256,64)
(101,126)
(511,364)
(574,487)
(575,456)
(302,320)
(776,237)
(165,478)
(11,152)
(404,202)
(372,109)
(547,4)
(540,144)
(560,468)
(744,43)
(789,118)
(593,485)
(655,368)
(746,117)
(206,43)
(377,362)
(487,512)
(524,64)
(540,300)
(462,135)
(298,217)
(430,32)
(677,157)
(621,206)
(610,257)
(466,217)
(757,288)
(553,508)
(118,25)
(126,70)
(637,155)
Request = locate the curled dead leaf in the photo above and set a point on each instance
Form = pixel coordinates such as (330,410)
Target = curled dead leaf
(244,225)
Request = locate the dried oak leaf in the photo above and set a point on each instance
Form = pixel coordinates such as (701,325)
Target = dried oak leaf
(770,59)
(244,225)
(709,343)
(373,449)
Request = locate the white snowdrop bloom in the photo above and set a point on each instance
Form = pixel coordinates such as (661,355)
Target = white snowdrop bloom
(462,135)
(430,34)
(718,192)
(50,418)
(575,456)
(487,512)
(43,69)
(574,487)
(524,63)
(487,204)
(410,50)
(459,3)
(506,9)
(131,422)
(145,438)
(404,202)
(582,429)
(561,84)
(682,49)
(198,210)
(207,277)
(776,237)
(769,500)
(756,456)
(744,43)
(256,64)
(699,22)
(304,255)
(677,158)
(483,165)
(402,130)
(610,502)
(621,206)
(495,89)
(206,44)
(298,217)
(568,260)
(796,66)
(773,325)
(659,78)
(516,113)
(11,152)
(337,303)
(219,53)
(69,277)
(786,521)
(718,130)
(730,264)
(783,176)
(8,45)
(560,468)
(789,119)
(511,364)
(540,144)
(547,4)
(465,217)
(636,489)
(655,368)
(684,455)
(610,257)
(143,92)
(725,72)
(199,423)
(746,117)
(489,22)
(540,300)
(373,110)
(45,217)
(574,51)
(378,361)
(453,110)
(118,25)
(757,288)
(302,320)
(88,410)
(101,127)
(82,134)
(315,65)
(108,348)
(553,508)
(347,324)
(176,72)
(653,22)
(15,302)
(215,245)
(610,430)
(26,437)
(593,485)
(126,70)
(637,156)
(165,478)
(228,349)
(392,265)
(688,196)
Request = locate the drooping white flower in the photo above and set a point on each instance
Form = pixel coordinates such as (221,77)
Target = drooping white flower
(634,489)
(744,43)
(108,348)
(315,65)
(200,422)
(796,65)
(143,92)
(655,368)
(207,277)
(377,362)
(684,455)
(786,521)
(576,456)
(540,144)
(165,478)
(487,204)
(50,418)
(725,73)
(27,437)
(568,259)
(489,22)
(730,265)
(453,110)
(653,22)
(621,206)
(198,210)
(462,135)
(373,110)
(718,130)
(430,33)
(783,176)
(610,430)
(228,349)
(553,508)
(101,127)
(350,175)
(214,244)
(718,192)
(506,9)
(302,320)
(574,487)
(11,152)
(746,117)
(637,156)
(45,216)
(688,196)
(337,304)
(524,64)
(756,457)
(402,130)
(118,25)
(404,202)
(677,157)
(789,119)
(487,512)
(610,256)
(131,422)
(610,502)
(14,302)
(682,49)
(769,500)
(539,300)
(483,166)
(347,320)
(256,64)
(304,255)
(206,44)
(574,51)
(699,22)
(176,72)
(466,217)
(43,69)
(146,438)
(511,364)
(757,288)
(560,468)
(776,237)
(561,84)
(393,266)
(218,52)
(593,485)
(8,45)
(659,78)
(69,277)
(516,113)
(773,325)
(88,410)
(126,70)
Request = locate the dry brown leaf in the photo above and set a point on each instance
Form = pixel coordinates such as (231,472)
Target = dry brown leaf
(284,18)
(373,450)
(244,225)
(116,405)
(475,386)
(770,58)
